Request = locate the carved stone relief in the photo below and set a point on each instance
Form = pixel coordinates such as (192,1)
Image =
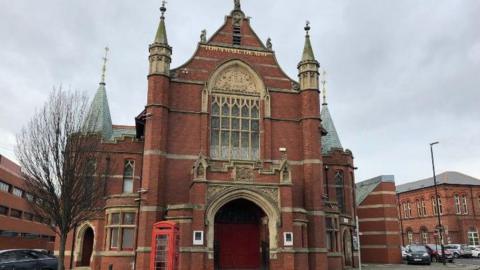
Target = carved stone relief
(236,79)
(243,174)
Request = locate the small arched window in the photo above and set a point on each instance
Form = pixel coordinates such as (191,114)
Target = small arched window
(128,175)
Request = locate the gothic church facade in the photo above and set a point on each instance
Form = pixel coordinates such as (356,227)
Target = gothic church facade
(232,150)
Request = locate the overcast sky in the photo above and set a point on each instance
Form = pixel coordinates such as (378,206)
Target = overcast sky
(401,74)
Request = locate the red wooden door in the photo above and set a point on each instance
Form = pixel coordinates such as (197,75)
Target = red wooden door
(87,247)
(239,246)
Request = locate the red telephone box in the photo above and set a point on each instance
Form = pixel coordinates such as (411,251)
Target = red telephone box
(165,244)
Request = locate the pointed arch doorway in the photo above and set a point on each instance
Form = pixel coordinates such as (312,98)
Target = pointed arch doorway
(86,247)
(241,236)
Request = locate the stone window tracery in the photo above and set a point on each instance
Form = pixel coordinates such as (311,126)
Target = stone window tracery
(235,127)
(339,187)
(128,175)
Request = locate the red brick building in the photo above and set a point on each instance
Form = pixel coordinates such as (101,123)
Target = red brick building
(230,149)
(20,227)
(458,204)
(379,226)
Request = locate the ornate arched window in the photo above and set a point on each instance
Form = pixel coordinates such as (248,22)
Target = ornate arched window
(235,128)
(235,94)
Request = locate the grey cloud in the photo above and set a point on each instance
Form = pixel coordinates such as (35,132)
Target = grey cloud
(400,73)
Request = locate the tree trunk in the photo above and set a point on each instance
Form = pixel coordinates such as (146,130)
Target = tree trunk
(61,252)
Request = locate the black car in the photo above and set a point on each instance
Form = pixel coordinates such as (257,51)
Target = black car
(26,259)
(418,254)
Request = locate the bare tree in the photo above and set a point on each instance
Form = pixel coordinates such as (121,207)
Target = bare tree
(58,159)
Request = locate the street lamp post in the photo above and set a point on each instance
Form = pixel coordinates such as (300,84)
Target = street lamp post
(440,228)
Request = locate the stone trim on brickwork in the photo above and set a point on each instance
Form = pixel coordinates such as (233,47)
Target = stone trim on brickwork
(377,206)
(377,219)
(380,233)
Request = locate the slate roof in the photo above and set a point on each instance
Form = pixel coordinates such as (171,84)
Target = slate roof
(364,188)
(449,177)
(331,140)
(98,118)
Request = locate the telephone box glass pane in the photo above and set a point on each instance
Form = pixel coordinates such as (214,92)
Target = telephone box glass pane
(161,256)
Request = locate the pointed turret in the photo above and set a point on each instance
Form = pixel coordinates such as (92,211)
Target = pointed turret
(331,140)
(160,51)
(308,67)
(99,119)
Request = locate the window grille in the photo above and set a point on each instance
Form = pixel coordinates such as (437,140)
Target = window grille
(339,183)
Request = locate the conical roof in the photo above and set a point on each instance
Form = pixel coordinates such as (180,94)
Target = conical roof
(331,140)
(161,36)
(307,50)
(98,118)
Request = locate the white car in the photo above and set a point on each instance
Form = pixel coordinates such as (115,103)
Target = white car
(476,252)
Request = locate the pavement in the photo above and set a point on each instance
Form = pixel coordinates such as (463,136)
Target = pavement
(467,264)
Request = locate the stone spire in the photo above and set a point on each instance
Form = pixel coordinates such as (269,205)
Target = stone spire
(307,49)
(161,36)
(308,67)
(99,119)
(160,51)
(331,140)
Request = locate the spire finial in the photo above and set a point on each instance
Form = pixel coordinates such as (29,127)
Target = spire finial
(163,9)
(104,68)
(324,90)
(307,27)
(237,5)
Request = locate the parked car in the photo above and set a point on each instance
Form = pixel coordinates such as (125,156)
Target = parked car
(459,250)
(418,254)
(435,252)
(404,253)
(476,252)
(26,259)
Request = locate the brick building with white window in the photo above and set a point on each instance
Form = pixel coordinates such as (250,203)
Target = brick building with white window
(240,156)
(458,204)
(20,227)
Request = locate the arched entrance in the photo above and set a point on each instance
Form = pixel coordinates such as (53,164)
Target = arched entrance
(87,247)
(241,236)
(347,247)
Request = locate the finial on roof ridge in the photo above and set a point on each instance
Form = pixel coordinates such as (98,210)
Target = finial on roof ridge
(163,9)
(104,68)
(324,88)
(237,5)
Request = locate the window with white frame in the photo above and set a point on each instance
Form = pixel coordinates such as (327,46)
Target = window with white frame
(405,213)
(128,176)
(419,208)
(4,186)
(410,237)
(464,204)
(424,209)
(472,238)
(434,206)
(409,209)
(458,209)
(121,230)
(440,207)
(17,192)
(424,234)
(235,128)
